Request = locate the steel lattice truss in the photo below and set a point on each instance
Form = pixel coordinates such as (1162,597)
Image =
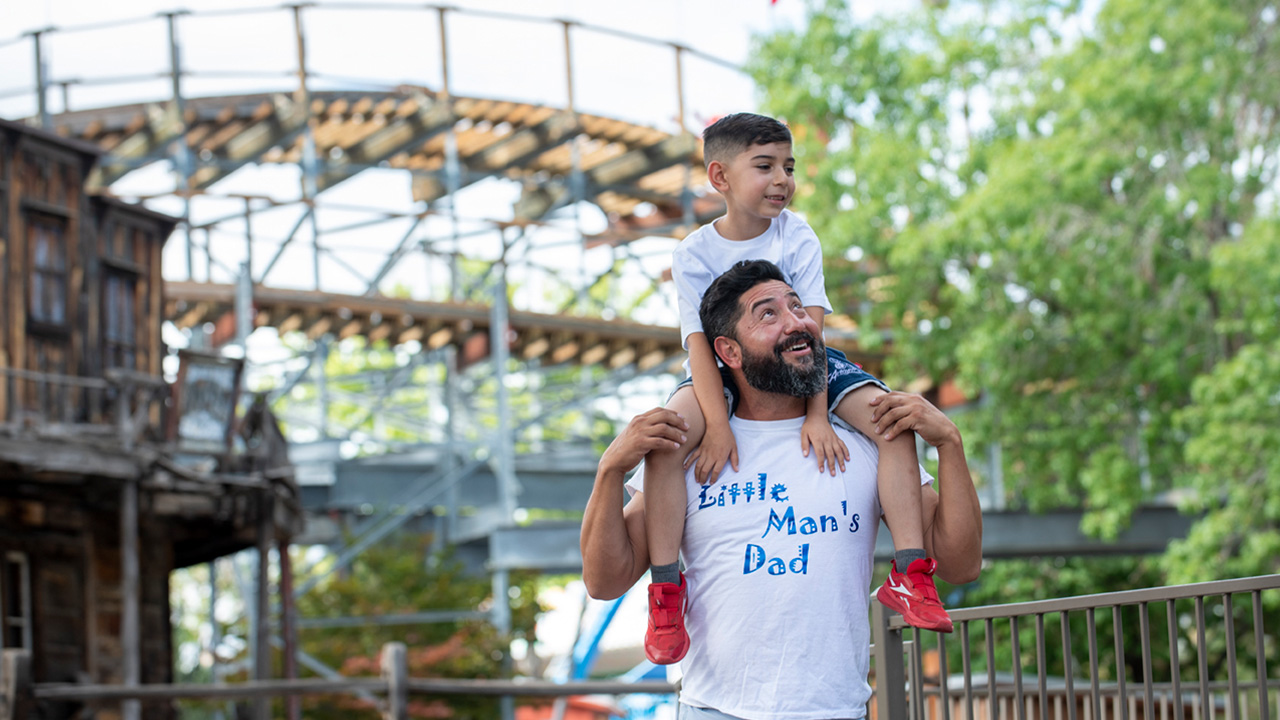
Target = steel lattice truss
(478,277)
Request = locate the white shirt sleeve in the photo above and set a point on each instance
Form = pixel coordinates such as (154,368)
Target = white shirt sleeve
(804,260)
(692,278)
(635,483)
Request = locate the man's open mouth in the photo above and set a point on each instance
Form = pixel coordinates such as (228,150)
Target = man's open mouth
(796,345)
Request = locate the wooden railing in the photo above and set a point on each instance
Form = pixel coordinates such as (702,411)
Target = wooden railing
(123,403)
(394,687)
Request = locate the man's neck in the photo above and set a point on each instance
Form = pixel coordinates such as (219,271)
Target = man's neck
(756,405)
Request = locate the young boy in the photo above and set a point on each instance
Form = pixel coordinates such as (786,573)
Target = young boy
(749,161)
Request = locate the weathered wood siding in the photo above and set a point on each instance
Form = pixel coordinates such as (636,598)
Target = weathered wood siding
(80,278)
(69,260)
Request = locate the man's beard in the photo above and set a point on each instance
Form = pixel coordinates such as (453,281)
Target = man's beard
(768,372)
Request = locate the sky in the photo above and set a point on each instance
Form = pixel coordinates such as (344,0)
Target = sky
(374,41)
(117,53)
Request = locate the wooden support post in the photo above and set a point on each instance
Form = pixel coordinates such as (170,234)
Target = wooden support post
(262,641)
(5,379)
(395,670)
(289,628)
(130,614)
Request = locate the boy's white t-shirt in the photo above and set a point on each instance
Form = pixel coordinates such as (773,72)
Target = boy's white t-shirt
(704,255)
(778,562)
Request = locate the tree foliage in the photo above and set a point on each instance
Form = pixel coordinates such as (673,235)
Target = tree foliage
(1071,214)
(400,577)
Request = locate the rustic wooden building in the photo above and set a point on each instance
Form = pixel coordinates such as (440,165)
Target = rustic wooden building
(103,489)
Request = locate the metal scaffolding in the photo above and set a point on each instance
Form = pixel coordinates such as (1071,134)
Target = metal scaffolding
(502,331)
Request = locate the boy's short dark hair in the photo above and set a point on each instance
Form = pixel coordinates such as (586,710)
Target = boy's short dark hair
(734,133)
(720,309)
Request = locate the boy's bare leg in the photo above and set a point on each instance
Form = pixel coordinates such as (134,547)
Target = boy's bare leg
(665,501)
(909,589)
(897,471)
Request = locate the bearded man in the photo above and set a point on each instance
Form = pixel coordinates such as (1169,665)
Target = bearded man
(778,554)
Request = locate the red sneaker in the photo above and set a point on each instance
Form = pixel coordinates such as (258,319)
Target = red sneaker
(913,595)
(665,641)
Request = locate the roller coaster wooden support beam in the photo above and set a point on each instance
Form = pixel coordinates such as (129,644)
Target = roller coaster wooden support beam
(555,338)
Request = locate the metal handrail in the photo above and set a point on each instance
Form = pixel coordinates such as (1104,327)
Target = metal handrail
(1109,600)
(903,693)
(395,684)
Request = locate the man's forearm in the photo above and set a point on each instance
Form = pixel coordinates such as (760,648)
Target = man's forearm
(608,555)
(957,522)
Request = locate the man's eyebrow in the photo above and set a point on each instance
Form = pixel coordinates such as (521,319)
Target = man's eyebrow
(773,298)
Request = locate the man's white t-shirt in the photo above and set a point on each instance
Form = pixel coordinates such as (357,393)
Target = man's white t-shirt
(705,255)
(778,562)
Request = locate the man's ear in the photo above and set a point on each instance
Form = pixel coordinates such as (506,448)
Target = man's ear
(717,176)
(729,351)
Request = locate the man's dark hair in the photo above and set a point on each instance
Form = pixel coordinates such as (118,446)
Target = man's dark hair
(720,309)
(734,133)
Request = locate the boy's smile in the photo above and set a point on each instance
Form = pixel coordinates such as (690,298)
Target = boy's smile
(757,184)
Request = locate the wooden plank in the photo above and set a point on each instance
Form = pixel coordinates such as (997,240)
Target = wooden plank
(262,599)
(4,386)
(90,600)
(57,617)
(8,230)
(155,288)
(323,686)
(130,592)
(64,458)
(17,276)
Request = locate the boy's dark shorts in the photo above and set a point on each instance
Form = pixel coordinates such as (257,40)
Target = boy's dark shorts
(843,377)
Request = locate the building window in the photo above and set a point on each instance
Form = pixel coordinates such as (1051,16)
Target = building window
(48,272)
(119,325)
(15,595)
(123,242)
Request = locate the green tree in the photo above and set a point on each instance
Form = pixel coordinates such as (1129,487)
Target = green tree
(1049,207)
(400,577)
(1234,421)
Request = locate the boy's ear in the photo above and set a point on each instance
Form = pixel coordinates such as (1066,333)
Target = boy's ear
(729,351)
(717,176)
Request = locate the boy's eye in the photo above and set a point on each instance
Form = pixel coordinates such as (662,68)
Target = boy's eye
(790,170)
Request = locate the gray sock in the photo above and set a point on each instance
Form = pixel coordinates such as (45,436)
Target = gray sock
(671,573)
(904,558)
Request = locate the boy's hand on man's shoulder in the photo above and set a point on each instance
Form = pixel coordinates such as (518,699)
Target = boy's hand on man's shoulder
(717,449)
(829,449)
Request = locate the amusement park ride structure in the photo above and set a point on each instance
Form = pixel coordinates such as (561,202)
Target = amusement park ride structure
(519,282)
(515,290)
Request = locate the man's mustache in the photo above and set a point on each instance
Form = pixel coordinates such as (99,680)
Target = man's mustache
(792,339)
